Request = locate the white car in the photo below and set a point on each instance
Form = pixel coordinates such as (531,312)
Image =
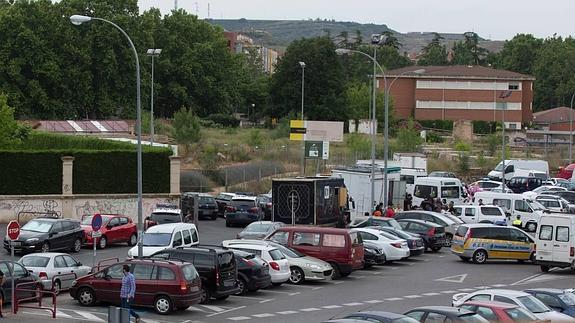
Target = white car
(393,247)
(525,300)
(278,264)
(532,194)
(60,267)
(555,203)
(164,236)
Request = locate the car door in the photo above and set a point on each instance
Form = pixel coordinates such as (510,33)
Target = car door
(561,243)
(19,275)
(146,283)
(113,230)
(56,237)
(68,236)
(521,244)
(308,243)
(108,286)
(73,269)
(60,267)
(470,215)
(124,231)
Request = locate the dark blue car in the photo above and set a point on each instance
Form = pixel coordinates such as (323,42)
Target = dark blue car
(558,299)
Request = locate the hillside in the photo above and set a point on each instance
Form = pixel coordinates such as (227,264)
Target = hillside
(280,33)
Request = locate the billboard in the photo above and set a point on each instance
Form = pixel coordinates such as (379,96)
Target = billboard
(316,130)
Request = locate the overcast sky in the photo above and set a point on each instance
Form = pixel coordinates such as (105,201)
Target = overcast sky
(494,19)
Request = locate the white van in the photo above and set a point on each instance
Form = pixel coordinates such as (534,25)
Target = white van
(449,189)
(538,166)
(164,236)
(514,204)
(555,241)
(408,175)
(481,214)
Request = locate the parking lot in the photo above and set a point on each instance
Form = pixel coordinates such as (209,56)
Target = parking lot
(430,279)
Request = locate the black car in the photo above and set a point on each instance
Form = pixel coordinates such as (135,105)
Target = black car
(207,206)
(253,272)
(48,234)
(216,266)
(372,254)
(162,214)
(522,184)
(243,210)
(444,314)
(433,234)
(265,203)
(20,275)
(414,241)
(560,300)
(223,200)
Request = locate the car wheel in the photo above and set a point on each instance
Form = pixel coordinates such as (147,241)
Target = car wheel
(448,239)
(222,298)
(57,287)
(45,247)
(243,286)
(133,240)
(277,284)
(77,245)
(297,276)
(214,217)
(531,227)
(480,257)
(163,305)
(86,297)
(435,249)
(465,259)
(384,261)
(103,243)
(206,296)
(545,268)
(335,274)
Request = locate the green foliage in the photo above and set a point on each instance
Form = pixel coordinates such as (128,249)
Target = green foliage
(186,127)
(433,137)
(435,53)
(462,146)
(468,51)
(282,129)
(31,172)
(11,133)
(359,97)
(239,153)
(224,120)
(484,127)
(358,144)
(208,159)
(255,138)
(437,124)
(481,161)
(492,141)
(463,163)
(408,139)
(518,54)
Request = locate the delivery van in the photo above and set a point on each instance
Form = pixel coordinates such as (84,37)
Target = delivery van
(513,204)
(555,242)
(449,189)
(536,166)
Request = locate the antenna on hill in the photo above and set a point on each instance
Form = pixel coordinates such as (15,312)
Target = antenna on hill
(197,8)
(208,10)
(175,4)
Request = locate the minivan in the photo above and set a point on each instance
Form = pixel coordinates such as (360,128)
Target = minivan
(165,236)
(342,249)
(522,184)
(446,188)
(481,214)
(555,240)
(513,205)
(216,266)
(479,242)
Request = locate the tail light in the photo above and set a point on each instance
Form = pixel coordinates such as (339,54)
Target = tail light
(230,209)
(396,244)
(269,205)
(253,210)
(217,277)
(431,232)
(572,252)
(468,234)
(42,275)
(275,265)
(183,286)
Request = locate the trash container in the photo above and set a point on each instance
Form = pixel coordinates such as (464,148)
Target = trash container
(118,315)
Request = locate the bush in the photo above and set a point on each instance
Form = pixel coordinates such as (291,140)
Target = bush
(408,139)
(492,141)
(437,124)
(484,127)
(195,181)
(239,153)
(463,163)
(224,120)
(30,173)
(255,138)
(186,127)
(208,159)
(358,144)
(462,146)
(433,137)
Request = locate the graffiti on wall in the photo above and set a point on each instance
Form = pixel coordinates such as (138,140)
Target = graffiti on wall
(29,208)
(126,206)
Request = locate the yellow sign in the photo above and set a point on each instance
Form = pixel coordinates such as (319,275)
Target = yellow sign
(297,130)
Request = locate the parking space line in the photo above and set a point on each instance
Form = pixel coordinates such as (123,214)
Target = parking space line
(412,296)
(448,292)
(310,309)
(226,311)
(374,301)
(329,307)
(466,289)
(431,294)
(499,285)
(287,312)
(394,299)
(262,300)
(304,286)
(316,288)
(481,287)
(89,316)
(239,318)
(214,308)
(264,315)
(283,293)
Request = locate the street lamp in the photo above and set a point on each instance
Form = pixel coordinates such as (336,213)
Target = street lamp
(302,65)
(571,130)
(503,96)
(387,88)
(152,52)
(78,20)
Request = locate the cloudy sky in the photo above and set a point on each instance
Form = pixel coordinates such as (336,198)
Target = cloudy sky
(494,19)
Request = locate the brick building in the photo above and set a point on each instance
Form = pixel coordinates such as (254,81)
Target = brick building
(556,119)
(460,92)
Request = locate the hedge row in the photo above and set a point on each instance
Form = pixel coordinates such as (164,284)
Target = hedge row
(30,173)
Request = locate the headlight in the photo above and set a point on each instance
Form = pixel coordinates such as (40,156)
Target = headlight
(130,254)
(32,240)
(313,266)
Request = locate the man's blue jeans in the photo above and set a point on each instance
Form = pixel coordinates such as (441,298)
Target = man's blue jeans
(126,304)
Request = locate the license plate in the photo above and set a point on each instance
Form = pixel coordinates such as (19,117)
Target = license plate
(229,283)
(16,243)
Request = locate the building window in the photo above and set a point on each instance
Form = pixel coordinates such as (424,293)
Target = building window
(514,86)
(512,126)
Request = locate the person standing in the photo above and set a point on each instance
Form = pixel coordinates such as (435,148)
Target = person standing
(128,291)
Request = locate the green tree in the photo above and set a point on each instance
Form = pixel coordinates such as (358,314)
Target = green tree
(468,51)
(434,53)
(359,97)
(390,40)
(408,139)
(11,133)
(518,54)
(186,127)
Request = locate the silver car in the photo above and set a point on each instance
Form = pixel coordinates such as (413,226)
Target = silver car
(444,220)
(60,266)
(259,229)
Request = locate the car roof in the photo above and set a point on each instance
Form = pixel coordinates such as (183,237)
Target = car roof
(507,292)
(482,225)
(169,227)
(47,254)
(389,315)
(51,219)
(432,224)
(314,229)
(555,291)
(443,309)
(167,210)
(252,246)
(492,304)
(244,197)
(207,248)
(176,262)
(263,222)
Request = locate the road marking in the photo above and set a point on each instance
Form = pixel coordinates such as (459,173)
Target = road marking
(287,312)
(448,292)
(453,279)
(226,311)
(262,300)
(377,272)
(310,309)
(481,287)
(412,296)
(539,278)
(374,301)
(62,314)
(499,285)
(214,308)
(316,288)
(329,307)
(195,308)
(358,277)
(239,318)
(394,299)
(303,286)
(467,289)
(353,304)
(89,316)
(264,315)
(431,294)
(283,293)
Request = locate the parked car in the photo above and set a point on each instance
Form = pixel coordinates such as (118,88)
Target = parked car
(559,300)
(499,311)
(433,234)
(414,241)
(555,203)
(442,174)
(259,230)
(555,242)
(165,236)
(48,234)
(372,255)
(278,264)
(243,210)
(444,314)
(50,265)
(525,300)
(216,266)
(265,203)
(163,214)
(253,272)
(568,195)
(481,214)
(15,271)
(522,184)
(223,200)
(374,221)
(342,249)
(207,206)
(180,285)
(393,247)
(450,225)
(568,185)
(380,317)
(485,185)
(479,242)
(115,229)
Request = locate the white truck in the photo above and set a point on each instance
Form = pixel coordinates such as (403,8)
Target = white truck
(555,241)
(522,167)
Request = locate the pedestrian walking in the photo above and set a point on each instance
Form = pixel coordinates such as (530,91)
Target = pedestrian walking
(128,291)
(1,292)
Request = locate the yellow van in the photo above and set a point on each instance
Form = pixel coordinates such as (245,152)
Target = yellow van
(479,242)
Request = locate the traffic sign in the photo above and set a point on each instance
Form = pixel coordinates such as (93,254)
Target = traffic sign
(96,234)
(96,222)
(13,230)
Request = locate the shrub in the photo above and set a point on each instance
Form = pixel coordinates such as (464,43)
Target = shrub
(408,139)
(358,144)
(437,124)
(11,133)
(433,137)
(463,163)
(224,120)
(208,159)
(186,127)
(195,181)
(492,141)
(462,146)
(255,138)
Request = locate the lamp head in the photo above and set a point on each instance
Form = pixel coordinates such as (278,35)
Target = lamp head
(154,51)
(302,64)
(79,19)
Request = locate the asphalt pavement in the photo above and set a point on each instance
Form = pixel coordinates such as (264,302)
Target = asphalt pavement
(430,279)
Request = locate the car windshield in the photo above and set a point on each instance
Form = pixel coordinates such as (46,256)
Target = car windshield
(164,217)
(499,167)
(157,239)
(386,223)
(87,220)
(568,298)
(536,206)
(206,200)
(519,315)
(37,226)
(34,261)
(288,252)
(257,227)
(450,192)
(533,304)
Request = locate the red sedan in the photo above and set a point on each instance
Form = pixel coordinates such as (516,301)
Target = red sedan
(115,229)
(500,312)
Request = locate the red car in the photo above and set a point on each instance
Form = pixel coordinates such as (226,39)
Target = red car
(165,286)
(115,229)
(500,312)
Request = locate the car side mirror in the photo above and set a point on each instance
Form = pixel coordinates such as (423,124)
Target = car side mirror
(78,264)
(107,277)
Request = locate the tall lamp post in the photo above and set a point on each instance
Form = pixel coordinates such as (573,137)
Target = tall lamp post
(387,88)
(504,95)
(78,20)
(302,65)
(152,52)
(571,130)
